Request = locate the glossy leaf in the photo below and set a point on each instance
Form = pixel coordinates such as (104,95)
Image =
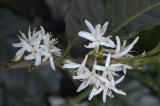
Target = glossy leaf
(126,17)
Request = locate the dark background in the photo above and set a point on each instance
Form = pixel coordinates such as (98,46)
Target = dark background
(19,87)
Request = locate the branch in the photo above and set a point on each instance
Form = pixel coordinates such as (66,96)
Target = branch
(59,61)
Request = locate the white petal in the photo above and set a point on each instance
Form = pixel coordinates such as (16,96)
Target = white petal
(84,61)
(86,35)
(98,67)
(83,76)
(45,59)
(116,65)
(81,87)
(42,31)
(108,60)
(26,45)
(17,44)
(52,63)
(111,79)
(118,46)
(97,30)
(44,47)
(99,91)
(92,45)
(104,28)
(90,27)
(118,91)
(135,41)
(29,57)
(104,95)
(106,44)
(38,60)
(120,79)
(71,65)
(124,44)
(19,52)
(92,93)
(124,70)
(69,62)
(17,58)
(23,36)
(122,53)
(111,43)
(127,66)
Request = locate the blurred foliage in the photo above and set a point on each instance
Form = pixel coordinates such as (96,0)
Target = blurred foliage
(28,9)
(126,17)
(20,87)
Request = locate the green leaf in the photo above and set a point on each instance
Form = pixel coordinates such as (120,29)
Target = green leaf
(154,51)
(126,17)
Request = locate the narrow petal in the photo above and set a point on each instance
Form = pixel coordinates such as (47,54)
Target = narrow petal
(81,87)
(38,60)
(108,60)
(69,62)
(52,63)
(106,44)
(97,30)
(104,28)
(17,44)
(122,53)
(29,57)
(71,65)
(23,36)
(98,67)
(86,35)
(92,93)
(92,45)
(118,46)
(83,76)
(111,43)
(104,95)
(90,27)
(19,52)
(135,41)
(124,70)
(84,61)
(118,91)
(124,44)
(26,45)
(127,66)
(120,79)
(17,58)
(99,91)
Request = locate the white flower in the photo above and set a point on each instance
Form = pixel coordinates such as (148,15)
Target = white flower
(81,67)
(121,51)
(25,43)
(40,47)
(35,53)
(99,82)
(48,47)
(110,70)
(96,36)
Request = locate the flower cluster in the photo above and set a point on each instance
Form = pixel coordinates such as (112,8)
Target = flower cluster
(39,45)
(102,77)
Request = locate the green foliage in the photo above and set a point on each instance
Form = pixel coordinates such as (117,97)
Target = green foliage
(126,17)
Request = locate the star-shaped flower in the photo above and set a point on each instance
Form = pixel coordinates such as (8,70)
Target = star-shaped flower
(96,36)
(121,51)
(39,45)
(25,43)
(81,67)
(110,70)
